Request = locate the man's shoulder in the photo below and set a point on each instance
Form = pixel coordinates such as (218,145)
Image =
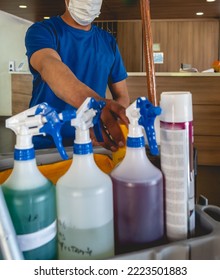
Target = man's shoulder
(104,33)
(47,23)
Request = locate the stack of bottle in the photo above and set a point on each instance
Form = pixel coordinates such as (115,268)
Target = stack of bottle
(89,214)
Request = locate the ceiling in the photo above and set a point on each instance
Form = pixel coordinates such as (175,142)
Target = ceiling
(117,9)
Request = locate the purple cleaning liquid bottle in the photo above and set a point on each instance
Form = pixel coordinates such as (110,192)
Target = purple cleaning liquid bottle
(176,141)
(138,185)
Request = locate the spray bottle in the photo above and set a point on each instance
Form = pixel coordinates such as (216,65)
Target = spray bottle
(30,197)
(84,195)
(176,134)
(138,185)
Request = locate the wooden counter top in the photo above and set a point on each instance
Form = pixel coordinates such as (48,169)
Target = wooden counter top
(159,74)
(176,74)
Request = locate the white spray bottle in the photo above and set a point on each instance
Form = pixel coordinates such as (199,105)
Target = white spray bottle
(138,185)
(84,196)
(30,197)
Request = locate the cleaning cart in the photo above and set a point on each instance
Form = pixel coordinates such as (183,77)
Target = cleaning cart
(205,245)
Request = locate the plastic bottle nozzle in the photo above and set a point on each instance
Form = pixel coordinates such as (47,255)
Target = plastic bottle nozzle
(98,106)
(40,119)
(88,115)
(143,113)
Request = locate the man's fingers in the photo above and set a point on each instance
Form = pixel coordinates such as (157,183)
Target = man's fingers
(113,133)
(118,110)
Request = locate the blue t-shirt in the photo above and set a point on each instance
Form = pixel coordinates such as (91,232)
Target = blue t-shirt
(93,56)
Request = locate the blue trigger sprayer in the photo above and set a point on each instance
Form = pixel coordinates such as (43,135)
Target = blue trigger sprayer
(84,195)
(30,197)
(138,185)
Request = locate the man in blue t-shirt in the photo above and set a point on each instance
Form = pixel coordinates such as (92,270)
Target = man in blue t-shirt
(71,59)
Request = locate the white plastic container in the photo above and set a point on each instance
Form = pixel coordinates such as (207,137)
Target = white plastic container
(30,197)
(85,200)
(176,142)
(138,186)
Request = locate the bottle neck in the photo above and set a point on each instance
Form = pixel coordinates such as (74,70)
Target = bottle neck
(82,149)
(24,142)
(25,161)
(135,142)
(25,175)
(84,161)
(82,136)
(24,154)
(26,166)
(134,154)
(136,149)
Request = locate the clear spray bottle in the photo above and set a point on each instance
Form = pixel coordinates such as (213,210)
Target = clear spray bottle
(138,185)
(84,196)
(30,197)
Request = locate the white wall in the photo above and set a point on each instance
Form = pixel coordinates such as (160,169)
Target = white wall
(12,47)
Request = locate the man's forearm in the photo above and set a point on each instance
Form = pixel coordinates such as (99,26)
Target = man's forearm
(64,83)
(119,93)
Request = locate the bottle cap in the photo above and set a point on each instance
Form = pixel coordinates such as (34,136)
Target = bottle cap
(176,106)
(82,149)
(87,116)
(135,142)
(24,154)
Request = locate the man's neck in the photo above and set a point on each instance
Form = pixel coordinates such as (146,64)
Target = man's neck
(70,21)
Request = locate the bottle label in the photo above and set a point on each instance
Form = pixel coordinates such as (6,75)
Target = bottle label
(176,151)
(37,239)
(90,243)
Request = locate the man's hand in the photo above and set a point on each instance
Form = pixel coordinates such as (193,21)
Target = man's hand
(112,114)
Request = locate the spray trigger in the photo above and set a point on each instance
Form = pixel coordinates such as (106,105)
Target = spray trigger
(98,106)
(53,123)
(88,115)
(148,113)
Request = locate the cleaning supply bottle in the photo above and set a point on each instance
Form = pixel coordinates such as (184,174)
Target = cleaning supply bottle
(29,196)
(84,196)
(138,185)
(176,134)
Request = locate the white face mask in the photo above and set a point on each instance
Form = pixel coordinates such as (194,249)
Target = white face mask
(84,11)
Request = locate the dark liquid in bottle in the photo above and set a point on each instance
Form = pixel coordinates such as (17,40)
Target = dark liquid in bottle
(138,215)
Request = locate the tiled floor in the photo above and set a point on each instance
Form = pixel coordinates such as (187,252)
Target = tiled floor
(7,137)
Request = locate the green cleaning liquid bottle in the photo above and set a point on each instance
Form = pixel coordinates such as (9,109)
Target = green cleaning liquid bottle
(138,185)
(84,196)
(29,196)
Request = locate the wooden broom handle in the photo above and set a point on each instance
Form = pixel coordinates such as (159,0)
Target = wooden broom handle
(148,51)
